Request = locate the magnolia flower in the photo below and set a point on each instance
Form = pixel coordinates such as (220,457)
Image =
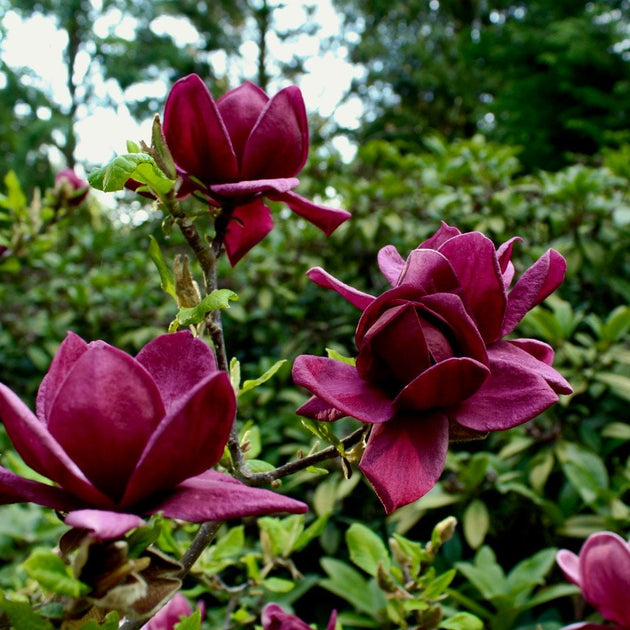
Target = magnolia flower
(74,188)
(602,571)
(169,615)
(275,618)
(239,149)
(432,365)
(125,437)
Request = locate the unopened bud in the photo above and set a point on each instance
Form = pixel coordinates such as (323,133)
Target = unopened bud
(445,529)
(186,288)
(432,617)
(384,579)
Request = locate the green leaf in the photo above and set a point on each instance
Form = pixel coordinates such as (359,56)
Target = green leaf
(191,316)
(617,324)
(485,574)
(138,166)
(462,621)
(333,354)
(230,544)
(619,383)
(111,622)
(315,529)
(253,383)
(366,549)
(476,523)
(532,571)
(53,574)
(617,430)
(323,431)
(278,585)
(166,277)
(22,616)
(437,587)
(585,470)
(235,373)
(193,622)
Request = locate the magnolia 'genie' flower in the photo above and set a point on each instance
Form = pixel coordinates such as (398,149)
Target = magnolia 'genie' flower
(124,437)
(169,615)
(74,188)
(432,365)
(602,571)
(275,618)
(240,148)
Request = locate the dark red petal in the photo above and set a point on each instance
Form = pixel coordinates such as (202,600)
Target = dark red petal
(177,362)
(39,449)
(405,457)
(250,188)
(102,524)
(538,282)
(357,298)
(188,441)
(214,496)
(440,237)
(325,218)
(16,489)
(475,262)
(318,409)
(250,223)
(340,385)
(71,348)
(104,415)
(240,108)
(430,271)
(391,264)
(196,134)
(278,143)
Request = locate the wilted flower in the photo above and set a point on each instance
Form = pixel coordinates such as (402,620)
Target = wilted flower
(275,618)
(431,364)
(602,571)
(124,437)
(239,149)
(170,614)
(74,189)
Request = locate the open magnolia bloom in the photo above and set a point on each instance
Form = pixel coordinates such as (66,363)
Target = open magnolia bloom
(274,617)
(240,148)
(124,437)
(602,571)
(432,365)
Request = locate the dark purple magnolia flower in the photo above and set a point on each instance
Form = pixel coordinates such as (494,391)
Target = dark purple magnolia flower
(76,188)
(239,149)
(124,437)
(432,365)
(275,618)
(602,571)
(169,615)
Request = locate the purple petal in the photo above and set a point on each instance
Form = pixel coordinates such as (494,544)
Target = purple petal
(405,457)
(357,298)
(570,565)
(475,262)
(169,615)
(605,571)
(214,496)
(325,218)
(440,237)
(188,441)
(39,450)
(16,489)
(539,281)
(391,264)
(274,617)
(239,109)
(430,271)
(517,390)
(504,254)
(319,409)
(340,385)
(278,143)
(71,348)
(250,223)
(196,134)
(103,525)
(177,362)
(538,349)
(443,385)
(248,188)
(104,414)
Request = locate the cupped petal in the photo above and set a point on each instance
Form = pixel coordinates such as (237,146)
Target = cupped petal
(340,385)
(274,617)
(474,260)
(318,409)
(215,496)
(515,392)
(405,457)
(196,134)
(443,385)
(240,108)
(357,298)
(325,218)
(278,143)
(16,489)
(430,271)
(538,282)
(188,441)
(249,224)
(248,188)
(39,449)
(177,362)
(570,565)
(102,524)
(104,414)
(169,615)
(391,264)
(440,237)
(538,349)
(71,348)
(605,570)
